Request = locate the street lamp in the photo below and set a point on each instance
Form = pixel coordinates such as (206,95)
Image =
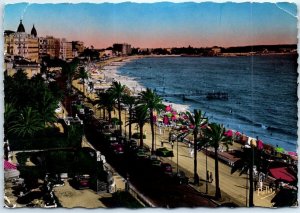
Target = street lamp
(206,185)
(177,155)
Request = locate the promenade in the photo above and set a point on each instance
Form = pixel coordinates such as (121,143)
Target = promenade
(233,186)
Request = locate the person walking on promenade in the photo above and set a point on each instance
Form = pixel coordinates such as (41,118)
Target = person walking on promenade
(207,176)
(211,177)
(192,152)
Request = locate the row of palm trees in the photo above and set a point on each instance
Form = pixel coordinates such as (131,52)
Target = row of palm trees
(141,111)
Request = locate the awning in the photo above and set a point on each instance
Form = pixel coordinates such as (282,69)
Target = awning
(8,165)
(282,173)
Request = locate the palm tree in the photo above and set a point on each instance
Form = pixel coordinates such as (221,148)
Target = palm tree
(141,117)
(197,120)
(130,102)
(106,102)
(214,134)
(68,71)
(117,90)
(10,114)
(83,75)
(245,165)
(46,105)
(150,101)
(27,123)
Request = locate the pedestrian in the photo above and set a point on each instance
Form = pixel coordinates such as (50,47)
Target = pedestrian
(192,152)
(207,175)
(211,177)
(172,144)
(255,184)
(161,143)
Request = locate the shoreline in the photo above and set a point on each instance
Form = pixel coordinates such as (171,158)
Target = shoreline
(111,70)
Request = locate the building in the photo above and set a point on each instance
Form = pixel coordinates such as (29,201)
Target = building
(216,50)
(15,63)
(9,42)
(122,49)
(66,51)
(22,44)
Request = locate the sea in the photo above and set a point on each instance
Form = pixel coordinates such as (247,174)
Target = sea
(262,91)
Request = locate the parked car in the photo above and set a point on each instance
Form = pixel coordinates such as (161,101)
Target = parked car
(118,148)
(166,168)
(181,178)
(164,152)
(82,181)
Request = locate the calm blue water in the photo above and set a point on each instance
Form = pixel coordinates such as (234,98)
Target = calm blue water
(262,90)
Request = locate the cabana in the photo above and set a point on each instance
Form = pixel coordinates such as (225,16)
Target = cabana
(282,173)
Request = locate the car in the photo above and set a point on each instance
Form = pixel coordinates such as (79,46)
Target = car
(164,152)
(166,168)
(181,178)
(82,181)
(118,148)
(155,163)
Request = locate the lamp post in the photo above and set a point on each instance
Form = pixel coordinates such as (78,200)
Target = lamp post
(125,123)
(177,156)
(206,185)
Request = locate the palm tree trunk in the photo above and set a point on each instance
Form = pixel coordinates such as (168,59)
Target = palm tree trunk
(130,118)
(218,191)
(196,176)
(120,119)
(141,136)
(251,204)
(152,130)
(109,116)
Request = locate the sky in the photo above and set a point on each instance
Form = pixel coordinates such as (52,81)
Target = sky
(164,24)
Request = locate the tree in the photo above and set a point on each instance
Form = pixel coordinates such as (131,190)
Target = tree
(68,71)
(249,157)
(116,91)
(141,117)
(106,102)
(27,123)
(10,114)
(83,75)
(46,105)
(129,101)
(197,120)
(150,101)
(214,134)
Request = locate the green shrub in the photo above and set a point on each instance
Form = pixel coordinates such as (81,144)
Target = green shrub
(136,135)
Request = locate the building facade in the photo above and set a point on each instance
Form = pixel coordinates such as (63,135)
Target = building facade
(66,51)
(122,49)
(20,43)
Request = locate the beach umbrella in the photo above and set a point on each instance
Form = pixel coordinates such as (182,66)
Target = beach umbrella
(292,153)
(260,144)
(168,108)
(166,120)
(279,149)
(228,133)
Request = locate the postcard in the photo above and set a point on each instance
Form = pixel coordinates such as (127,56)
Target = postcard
(150,104)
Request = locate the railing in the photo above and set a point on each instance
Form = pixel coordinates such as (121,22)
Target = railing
(139,196)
